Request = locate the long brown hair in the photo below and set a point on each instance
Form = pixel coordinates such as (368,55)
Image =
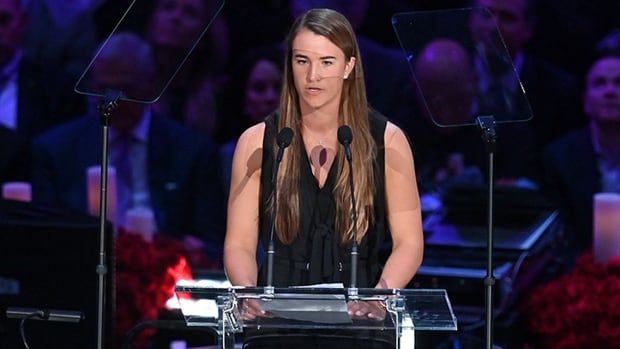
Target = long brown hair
(353,112)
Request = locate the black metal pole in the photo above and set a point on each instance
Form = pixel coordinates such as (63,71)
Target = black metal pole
(109,103)
(489,136)
(354,253)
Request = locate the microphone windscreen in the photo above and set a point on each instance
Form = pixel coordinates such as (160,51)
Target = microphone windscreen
(345,136)
(285,136)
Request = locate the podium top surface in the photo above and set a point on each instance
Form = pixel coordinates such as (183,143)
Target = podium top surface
(317,307)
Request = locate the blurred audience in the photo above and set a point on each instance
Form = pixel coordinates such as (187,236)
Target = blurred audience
(61,34)
(14,156)
(573,26)
(160,164)
(552,93)
(109,13)
(447,89)
(173,29)
(253,92)
(587,161)
(446,140)
(254,24)
(201,108)
(34,94)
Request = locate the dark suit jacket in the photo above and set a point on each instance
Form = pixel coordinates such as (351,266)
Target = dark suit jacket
(554,97)
(572,178)
(388,78)
(68,46)
(14,156)
(45,98)
(183,169)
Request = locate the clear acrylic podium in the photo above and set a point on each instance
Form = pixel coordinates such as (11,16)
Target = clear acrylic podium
(305,308)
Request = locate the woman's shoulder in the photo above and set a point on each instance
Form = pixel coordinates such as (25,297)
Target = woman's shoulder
(394,137)
(380,125)
(247,159)
(253,131)
(252,137)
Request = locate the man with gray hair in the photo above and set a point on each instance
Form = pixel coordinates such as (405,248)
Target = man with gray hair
(160,164)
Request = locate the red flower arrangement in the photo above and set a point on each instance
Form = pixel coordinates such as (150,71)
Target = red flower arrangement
(146,273)
(580,309)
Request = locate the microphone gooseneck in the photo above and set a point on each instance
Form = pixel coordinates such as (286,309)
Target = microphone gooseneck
(345,137)
(283,140)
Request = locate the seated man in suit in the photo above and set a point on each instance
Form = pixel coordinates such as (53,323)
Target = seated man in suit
(454,154)
(446,94)
(587,161)
(160,164)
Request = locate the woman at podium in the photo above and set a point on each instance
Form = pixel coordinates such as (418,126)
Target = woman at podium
(317,210)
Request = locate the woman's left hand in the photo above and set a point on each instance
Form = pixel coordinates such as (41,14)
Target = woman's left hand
(366,310)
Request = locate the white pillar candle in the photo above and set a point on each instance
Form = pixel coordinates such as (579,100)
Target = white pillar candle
(140,220)
(180,344)
(93,185)
(606,230)
(19,191)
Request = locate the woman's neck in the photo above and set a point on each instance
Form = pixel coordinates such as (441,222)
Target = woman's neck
(320,120)
(319,128)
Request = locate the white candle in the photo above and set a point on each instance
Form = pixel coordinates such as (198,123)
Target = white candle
(180,344)
(140,220)
(19,191)
(606,230)
(93,185)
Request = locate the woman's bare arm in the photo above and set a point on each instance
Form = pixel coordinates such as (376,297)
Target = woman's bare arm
(403,211)
(243,202)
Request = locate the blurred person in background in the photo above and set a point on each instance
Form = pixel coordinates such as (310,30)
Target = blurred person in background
(174,26)
(61,33)
(252,93)
(160,164)
(446,93)
(34,94)
(14,156)
(448,145)
(587,161)
(552,92)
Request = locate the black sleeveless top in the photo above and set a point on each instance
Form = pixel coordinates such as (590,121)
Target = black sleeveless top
(316,255)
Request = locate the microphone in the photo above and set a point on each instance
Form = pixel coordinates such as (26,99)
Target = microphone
(283,140)
(44,314)
(345,137)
